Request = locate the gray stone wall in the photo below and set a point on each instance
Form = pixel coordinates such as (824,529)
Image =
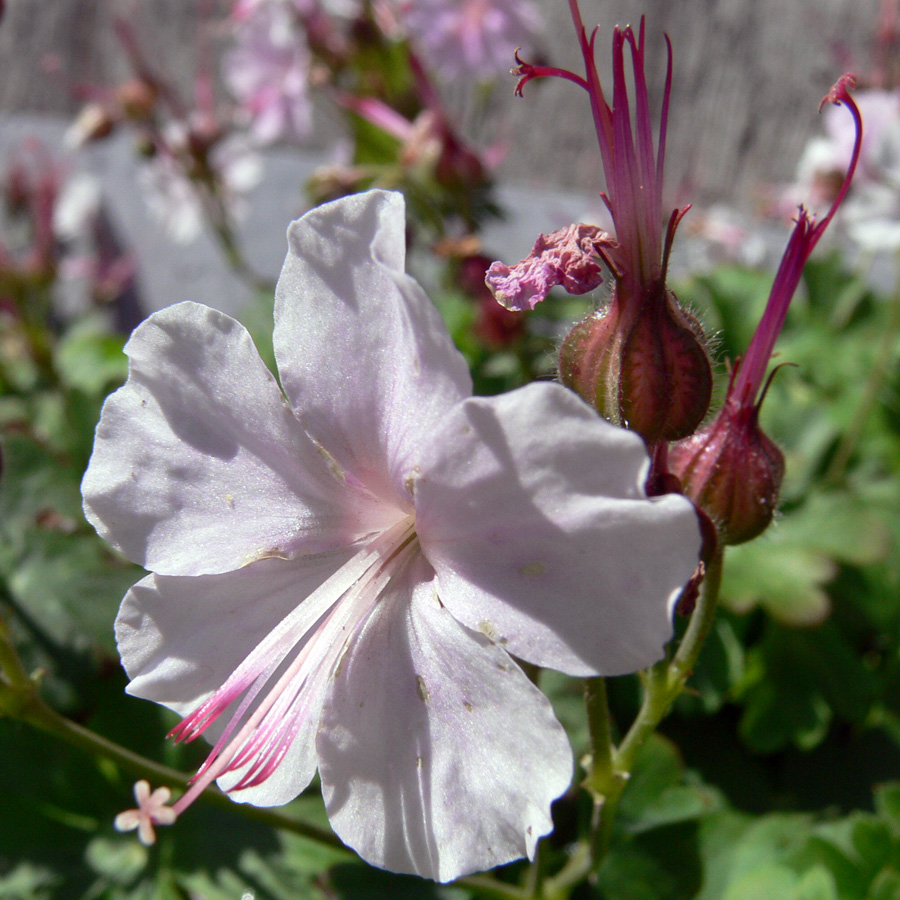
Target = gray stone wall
(748,78)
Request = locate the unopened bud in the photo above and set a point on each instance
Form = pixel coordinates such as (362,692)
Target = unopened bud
(642,364)
(732,471)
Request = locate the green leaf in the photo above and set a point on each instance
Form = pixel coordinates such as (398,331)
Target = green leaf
(817,884)
(90,359)
(34,482)
(887,805)
(744,857)
(871,839)
(567,696)
(28,882)
(120,859)
(764,883)
(840,525)
(661,792)
(803,678)
(886,886)
(720,667)
(659,865)
(71,586)
(786,580)
(355,881)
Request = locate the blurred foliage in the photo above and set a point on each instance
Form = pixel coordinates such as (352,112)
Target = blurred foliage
(771,779)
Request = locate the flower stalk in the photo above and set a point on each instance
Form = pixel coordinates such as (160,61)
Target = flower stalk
(611,766)
(731,469)
(642,362)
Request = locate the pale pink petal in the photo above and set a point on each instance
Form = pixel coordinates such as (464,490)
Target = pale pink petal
(362,353)
(530,507)
(437,755)
(180,638)
(199,466)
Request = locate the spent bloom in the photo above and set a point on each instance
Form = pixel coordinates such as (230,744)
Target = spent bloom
(643,361)
(731,468)
(339,574)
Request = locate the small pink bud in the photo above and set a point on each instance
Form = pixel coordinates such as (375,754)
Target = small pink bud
(731,469)
(642,364)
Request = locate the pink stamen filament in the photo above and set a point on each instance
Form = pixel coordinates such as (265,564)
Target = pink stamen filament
(277,644)
(270,730)
(634,169)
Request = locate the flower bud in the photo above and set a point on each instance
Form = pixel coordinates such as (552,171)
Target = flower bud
(732,471)
(642,364)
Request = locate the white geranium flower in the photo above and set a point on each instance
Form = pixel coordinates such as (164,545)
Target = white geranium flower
(338,580)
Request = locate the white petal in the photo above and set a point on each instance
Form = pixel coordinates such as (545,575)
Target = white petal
(180,638)
(199,466)
(531,509)
(437,755)
(362,353)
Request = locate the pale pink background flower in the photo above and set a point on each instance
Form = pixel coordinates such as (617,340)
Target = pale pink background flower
(176,202)
(469,38)
(870,216)
(267,70)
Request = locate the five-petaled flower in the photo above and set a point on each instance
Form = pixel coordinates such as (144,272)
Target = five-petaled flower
(338,581)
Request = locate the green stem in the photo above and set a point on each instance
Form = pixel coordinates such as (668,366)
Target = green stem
(599,727)
(15,685)
(662,685)
(489,887)
(602,780)
(218,217)
(41,716)
(30,708)
(534,875)
(578,867)
(666,682)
